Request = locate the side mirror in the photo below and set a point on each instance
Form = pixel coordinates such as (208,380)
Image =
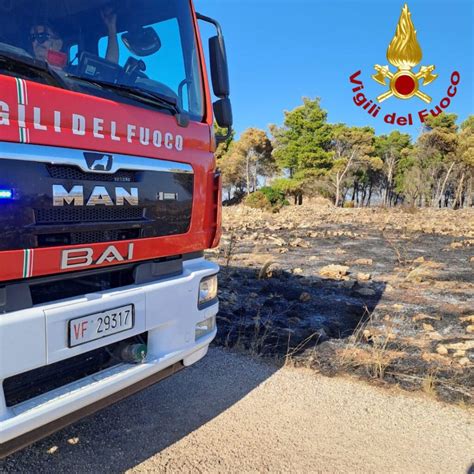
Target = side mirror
(220,79)
(219,69)
(223,113)
(142,41)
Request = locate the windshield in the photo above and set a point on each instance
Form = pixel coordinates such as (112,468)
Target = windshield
(144,45)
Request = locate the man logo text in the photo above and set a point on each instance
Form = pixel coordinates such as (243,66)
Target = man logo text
(99,195)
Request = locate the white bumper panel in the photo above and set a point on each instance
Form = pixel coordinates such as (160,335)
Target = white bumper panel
(32,338)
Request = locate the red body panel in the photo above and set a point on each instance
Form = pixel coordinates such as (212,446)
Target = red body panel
(44,115)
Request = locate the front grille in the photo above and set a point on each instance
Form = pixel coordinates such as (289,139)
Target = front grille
(50,289)
(89,237)
(24,387)
(71,172)
(70,215)
(31,220)
(95,236)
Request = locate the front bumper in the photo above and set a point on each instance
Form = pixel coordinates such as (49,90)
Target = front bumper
(167,310)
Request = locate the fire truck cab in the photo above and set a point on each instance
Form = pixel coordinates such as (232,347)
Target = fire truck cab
(109,195)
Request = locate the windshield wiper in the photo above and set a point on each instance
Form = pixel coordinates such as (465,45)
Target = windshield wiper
(32,65)
(144,95)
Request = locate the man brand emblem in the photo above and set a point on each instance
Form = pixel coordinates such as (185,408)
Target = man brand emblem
(99,196)
(404,53)
(85,257)
(98,161)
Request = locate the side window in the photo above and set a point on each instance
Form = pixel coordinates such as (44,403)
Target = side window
(167,65)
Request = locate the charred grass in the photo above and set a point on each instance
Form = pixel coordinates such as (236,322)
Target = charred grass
(394,306)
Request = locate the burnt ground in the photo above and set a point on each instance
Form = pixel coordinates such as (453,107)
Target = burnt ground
(386,295)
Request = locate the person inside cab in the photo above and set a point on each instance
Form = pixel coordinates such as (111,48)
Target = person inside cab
(45,37)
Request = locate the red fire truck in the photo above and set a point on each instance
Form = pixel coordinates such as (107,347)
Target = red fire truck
(109,195)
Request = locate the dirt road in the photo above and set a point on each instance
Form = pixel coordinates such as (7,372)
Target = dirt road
(230,413)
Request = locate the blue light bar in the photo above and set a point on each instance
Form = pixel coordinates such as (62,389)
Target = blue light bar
(6,194)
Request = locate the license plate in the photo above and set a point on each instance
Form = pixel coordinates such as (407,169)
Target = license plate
(100,325)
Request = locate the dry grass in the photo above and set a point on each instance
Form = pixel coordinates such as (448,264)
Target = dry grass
(369,349)
(291,352)
(428,384)
(229,249)
(399,248)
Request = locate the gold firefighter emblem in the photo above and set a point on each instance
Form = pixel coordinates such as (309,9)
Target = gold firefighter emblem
(404,53)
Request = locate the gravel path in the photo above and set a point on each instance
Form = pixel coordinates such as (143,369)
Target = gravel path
(230,413)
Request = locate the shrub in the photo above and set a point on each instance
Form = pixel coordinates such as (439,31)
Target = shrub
(257,200)
(275,197)
(267,198)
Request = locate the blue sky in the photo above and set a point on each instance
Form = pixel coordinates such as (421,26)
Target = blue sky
(282,50)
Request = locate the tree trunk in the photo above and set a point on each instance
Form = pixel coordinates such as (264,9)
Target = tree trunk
(390,199)
(370,195)
(385,194)
(248,173)
(338,189)
(340,178)
(255,182)
(391,169)
(364,193)
(459,192)
(443,186)
(354,191)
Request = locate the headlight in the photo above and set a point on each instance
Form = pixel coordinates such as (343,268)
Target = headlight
(205,327)
(207,290)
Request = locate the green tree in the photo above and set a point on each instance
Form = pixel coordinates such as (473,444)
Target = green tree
(465,157)
(246,160)
(289,187)
(255,148)
(302,144)
(437,150)
(351,146)
(226,162)
(426,173)
(391,149)
(224,147)
(232,168)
